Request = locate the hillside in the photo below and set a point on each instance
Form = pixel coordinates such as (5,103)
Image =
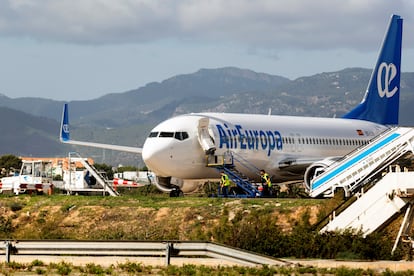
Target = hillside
(126,118)
(24,134)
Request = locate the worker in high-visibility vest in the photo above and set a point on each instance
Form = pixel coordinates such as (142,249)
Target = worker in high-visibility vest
(266,183)
(224,184)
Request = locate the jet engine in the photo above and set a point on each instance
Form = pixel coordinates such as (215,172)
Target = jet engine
(176,186)
(316,169)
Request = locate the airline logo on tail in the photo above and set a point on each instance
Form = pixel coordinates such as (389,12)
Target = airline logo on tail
(381,101)
(384,79)
(65,128)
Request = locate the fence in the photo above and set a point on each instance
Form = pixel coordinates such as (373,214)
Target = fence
(166,249)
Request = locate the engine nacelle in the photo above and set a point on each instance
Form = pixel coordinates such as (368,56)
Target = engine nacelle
(316,169)
(169,184)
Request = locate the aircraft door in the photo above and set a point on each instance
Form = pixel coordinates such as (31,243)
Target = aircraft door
(204,137)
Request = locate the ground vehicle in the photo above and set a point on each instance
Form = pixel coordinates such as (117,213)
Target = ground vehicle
(34,176)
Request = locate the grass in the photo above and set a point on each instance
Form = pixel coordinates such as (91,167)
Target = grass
(126,217)
(154,201)
(137,268)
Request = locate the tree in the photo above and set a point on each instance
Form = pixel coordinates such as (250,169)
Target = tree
(9,163)
(126,168)
(105,168)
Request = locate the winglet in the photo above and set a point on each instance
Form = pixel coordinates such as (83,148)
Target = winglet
(381,100)
(64,127)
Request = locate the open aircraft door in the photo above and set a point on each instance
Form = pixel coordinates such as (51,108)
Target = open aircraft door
(204,137)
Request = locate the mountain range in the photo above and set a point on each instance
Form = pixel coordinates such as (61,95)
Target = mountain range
(31,125)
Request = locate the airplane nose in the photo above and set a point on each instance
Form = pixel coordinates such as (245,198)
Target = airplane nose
(155,157)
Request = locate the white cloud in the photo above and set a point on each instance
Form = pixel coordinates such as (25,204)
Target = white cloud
(317,24)
(81,49)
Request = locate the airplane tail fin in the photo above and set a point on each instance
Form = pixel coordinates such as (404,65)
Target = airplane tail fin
(65,137)
(64,126)
(381,101)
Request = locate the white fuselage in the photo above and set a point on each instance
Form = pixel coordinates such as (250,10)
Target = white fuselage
(268,142)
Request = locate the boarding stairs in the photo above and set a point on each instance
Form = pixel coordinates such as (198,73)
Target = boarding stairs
(100,178)
(378,205)
(356,168)
(226,162)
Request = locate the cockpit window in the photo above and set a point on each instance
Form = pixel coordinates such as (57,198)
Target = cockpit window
(166,134)
(181,135)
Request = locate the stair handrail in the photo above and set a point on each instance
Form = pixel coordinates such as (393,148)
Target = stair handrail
(374,139)
(244,184)
(397,154)
(105,185)
(357,183)
(245,163)
(338,162)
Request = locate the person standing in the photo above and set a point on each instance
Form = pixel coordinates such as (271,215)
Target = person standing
(224,184)
(266,183)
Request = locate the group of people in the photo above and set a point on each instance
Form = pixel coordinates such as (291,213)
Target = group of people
(265,179)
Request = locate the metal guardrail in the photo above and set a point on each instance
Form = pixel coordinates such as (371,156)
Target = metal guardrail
(167,249)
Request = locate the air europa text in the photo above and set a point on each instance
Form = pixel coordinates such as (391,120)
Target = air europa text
(237,137)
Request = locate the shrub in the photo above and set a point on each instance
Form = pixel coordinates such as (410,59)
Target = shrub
(94,269)
(258,232)
(131,267)
(16,206)
(6,227)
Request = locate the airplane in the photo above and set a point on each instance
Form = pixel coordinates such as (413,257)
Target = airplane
(182,149)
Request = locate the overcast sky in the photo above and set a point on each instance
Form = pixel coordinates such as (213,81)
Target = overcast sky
(84,49)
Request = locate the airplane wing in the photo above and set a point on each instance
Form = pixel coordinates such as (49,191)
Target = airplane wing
(297,162)
(296,165)
(65,137)
(292,167)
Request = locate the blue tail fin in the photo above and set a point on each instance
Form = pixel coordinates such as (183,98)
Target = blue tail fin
(381,100)
(64,127)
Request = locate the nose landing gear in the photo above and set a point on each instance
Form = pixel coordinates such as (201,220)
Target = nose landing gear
(176,192)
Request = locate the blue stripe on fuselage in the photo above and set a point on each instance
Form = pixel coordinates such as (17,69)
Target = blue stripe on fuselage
(357,158)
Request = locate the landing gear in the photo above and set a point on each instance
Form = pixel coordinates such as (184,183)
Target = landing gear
(176,192)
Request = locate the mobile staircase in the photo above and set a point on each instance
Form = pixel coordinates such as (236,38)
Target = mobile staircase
(376,207)
(100,178)
(226,163)
(373,208)
(389,191)
(355,169)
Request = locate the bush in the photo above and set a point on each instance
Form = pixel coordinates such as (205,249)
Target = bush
(131,267)
(6,227)
(260,233)
(16,206)
(94,269)
(62,268)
